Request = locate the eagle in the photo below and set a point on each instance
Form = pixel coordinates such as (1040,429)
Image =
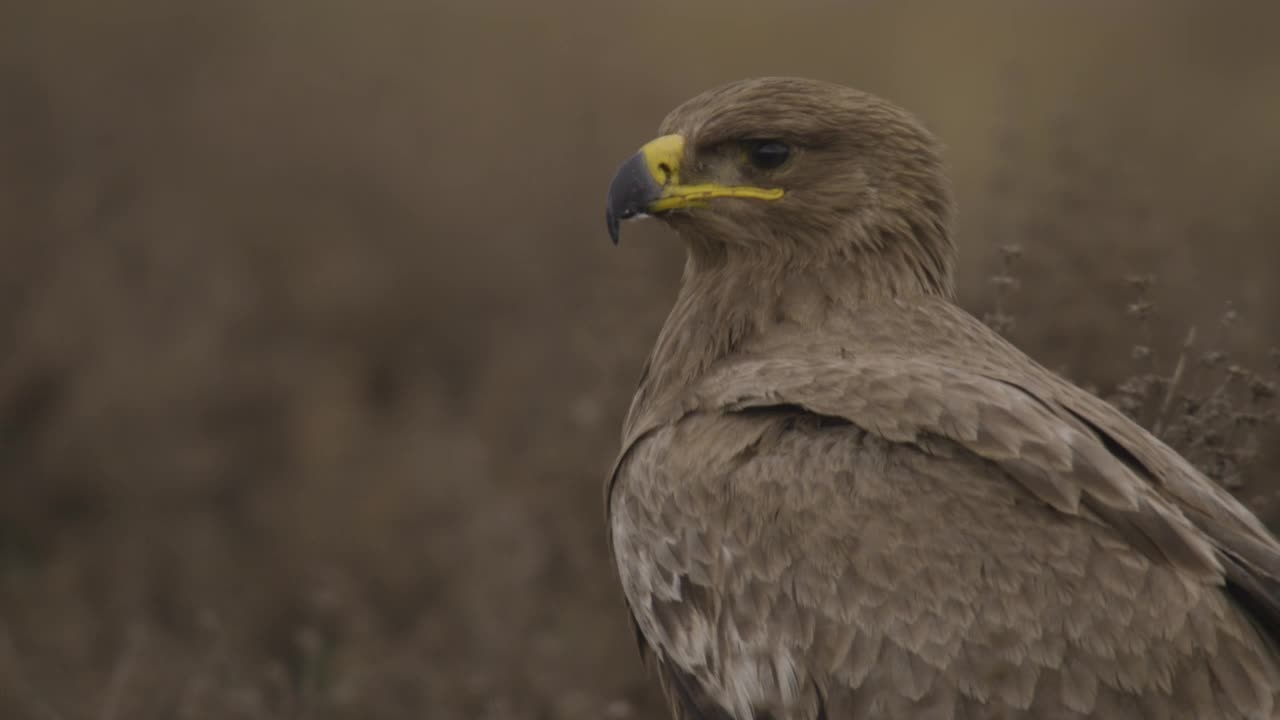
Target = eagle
(841,496)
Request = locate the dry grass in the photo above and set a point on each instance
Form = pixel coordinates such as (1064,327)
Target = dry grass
(1219,414)
(315,351)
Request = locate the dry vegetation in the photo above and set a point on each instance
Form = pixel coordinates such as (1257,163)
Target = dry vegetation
(313,351)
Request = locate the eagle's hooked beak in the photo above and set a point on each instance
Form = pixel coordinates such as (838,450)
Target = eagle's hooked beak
(649,182)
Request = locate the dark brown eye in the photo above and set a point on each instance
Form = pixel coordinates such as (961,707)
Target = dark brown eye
(767,154)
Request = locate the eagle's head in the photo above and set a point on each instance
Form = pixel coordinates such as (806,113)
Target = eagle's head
(796,171)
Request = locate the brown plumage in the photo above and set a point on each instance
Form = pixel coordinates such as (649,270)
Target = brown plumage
(841,496)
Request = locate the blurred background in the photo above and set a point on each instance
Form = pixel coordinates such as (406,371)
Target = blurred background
(314,351)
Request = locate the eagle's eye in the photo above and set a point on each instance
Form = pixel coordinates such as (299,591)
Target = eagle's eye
(767,154)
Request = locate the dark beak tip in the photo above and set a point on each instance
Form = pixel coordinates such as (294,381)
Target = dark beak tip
(612,222)
(631,191)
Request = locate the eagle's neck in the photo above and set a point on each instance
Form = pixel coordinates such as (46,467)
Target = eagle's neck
(727,301)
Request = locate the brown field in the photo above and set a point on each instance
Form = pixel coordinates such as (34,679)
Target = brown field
(313,349)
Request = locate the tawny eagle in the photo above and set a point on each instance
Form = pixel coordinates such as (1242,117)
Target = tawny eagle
(841,496)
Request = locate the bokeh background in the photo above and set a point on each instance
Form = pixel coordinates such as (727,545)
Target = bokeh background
(313,349)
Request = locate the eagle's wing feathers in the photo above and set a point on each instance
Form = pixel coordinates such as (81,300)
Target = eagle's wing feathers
(1055,456)
(1249,553)
(890,530)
